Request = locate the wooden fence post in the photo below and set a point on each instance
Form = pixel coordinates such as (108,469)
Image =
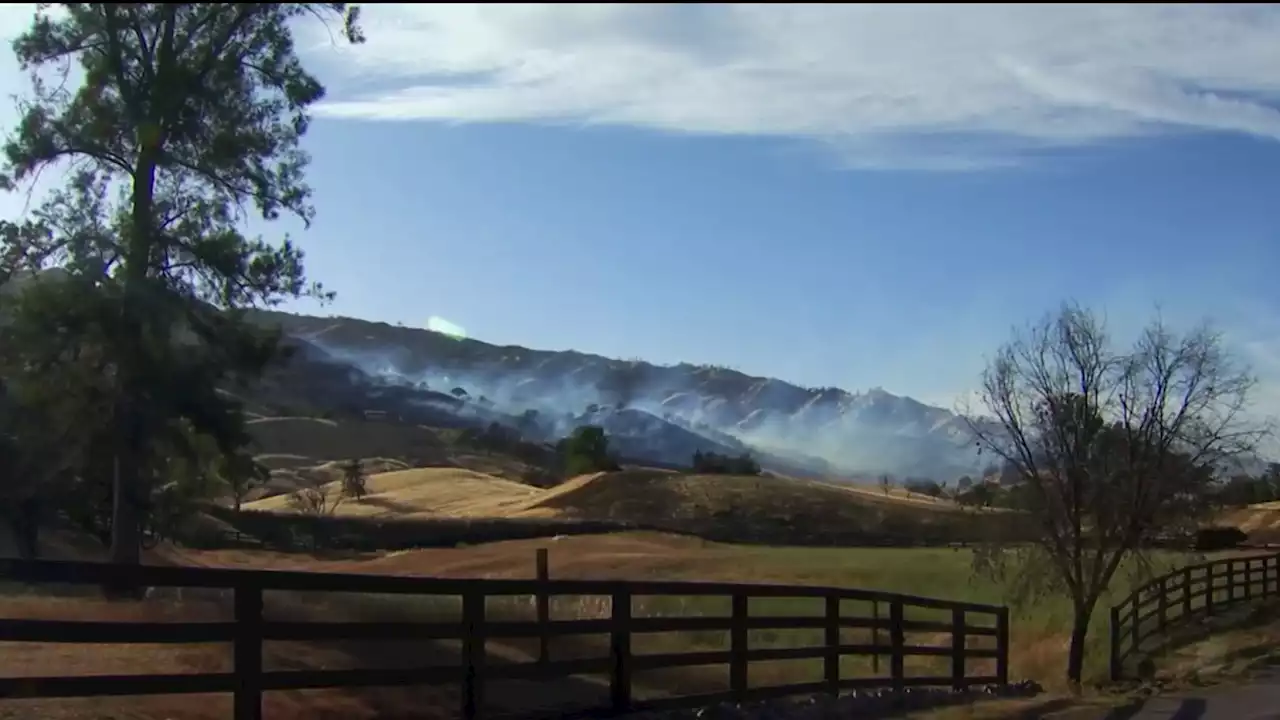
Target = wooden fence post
(473,652)
(831,662)
(1116,669)
(1002,646)
(543,600)
(1231,581)
(958,638)
(1162,604)
(1186,592)
(1135,620)
(620,650)
(1248,580)
(738,647)
(248,651)
(1208,589)
(897,639)
(875,635)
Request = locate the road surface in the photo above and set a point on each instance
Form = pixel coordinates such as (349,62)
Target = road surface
(1256,699)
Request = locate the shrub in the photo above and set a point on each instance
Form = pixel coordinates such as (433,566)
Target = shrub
(587,451)
(1219,537)
(715,464)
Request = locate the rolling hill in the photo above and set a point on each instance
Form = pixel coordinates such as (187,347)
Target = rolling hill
(720,507)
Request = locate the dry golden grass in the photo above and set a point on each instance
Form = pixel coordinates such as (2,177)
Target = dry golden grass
(1261,522)
(657,498)
(425,492)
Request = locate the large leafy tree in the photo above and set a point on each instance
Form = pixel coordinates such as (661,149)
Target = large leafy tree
(172,122)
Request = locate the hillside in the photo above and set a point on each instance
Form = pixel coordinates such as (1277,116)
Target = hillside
(723,507)
(661,413)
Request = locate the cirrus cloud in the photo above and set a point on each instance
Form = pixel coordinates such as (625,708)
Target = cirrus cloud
(947,86)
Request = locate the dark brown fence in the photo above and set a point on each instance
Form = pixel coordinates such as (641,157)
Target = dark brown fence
(249,629)
(1190,593)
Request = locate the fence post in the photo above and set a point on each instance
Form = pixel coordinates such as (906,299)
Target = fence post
(875,635)
(897,639)
(1136,621)
(1231,581)
(473,650)
(543,600)
(248,651)
(1162,604)
(738,647)
(831,662)
(1208,589)
(1248,579)
(958,638)
(1002,646)
(1186,592)
(620,650)
(1116,670)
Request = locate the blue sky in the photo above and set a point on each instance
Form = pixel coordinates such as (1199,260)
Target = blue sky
(856,196)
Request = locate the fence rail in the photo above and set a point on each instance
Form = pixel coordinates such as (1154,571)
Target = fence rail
(1192,592)
(250,629)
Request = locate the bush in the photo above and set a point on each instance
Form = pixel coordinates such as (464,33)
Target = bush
(715,464)
(923,487)
(1219,537)
(587,451)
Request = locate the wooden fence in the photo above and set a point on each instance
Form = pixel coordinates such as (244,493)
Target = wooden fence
(249,629)
(1190,593)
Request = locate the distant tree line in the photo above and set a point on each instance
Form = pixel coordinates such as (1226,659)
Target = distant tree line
(710,463)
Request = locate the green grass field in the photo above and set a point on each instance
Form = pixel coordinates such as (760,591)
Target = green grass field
(1038,630)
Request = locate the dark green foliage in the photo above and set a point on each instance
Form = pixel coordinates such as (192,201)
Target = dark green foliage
(196,111)
(1219,537)
(587,451)
(1241,490)
(923,486)
(354,480)
(710,463)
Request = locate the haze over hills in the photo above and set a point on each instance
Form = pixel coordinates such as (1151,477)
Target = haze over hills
(658,413)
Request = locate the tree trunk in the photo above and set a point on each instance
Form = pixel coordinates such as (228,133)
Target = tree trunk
(27,529)
(126,518)
(127,485)
(1075,656)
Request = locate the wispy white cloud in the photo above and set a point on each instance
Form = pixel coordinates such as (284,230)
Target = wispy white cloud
(945,86)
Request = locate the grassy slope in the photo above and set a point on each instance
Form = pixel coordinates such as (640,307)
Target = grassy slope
(723,507)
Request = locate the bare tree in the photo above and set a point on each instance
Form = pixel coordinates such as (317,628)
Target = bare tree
(315,500)
(1109,448)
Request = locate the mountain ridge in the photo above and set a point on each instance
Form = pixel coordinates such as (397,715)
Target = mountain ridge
(827,428)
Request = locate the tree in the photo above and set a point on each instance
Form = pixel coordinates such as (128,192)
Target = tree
(886,484)
(242,474)
(1109,448)
(196,111)
(923,486)
(587,451)
(315,500)
(964,483)
(710,463)
(354,480)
